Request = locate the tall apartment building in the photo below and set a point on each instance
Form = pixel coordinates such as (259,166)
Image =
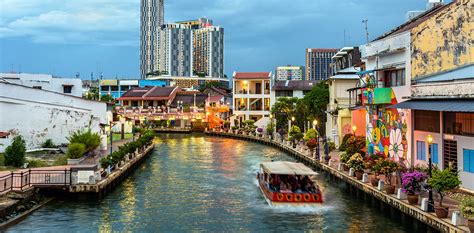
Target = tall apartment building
(289,73)
(151,18)
(208,51)
(175,51)
(318,63)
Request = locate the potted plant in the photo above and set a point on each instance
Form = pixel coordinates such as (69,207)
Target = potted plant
(295,135)
(371,164)
(311,144)
(234,129)
(443,181)
(387,168)
(356,162)
(411,185)
(467,210)
(260,131)
(343,159)
(270,128)
(282,133)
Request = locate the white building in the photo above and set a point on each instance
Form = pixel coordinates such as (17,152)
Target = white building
(38,115)
(291,88)
(252,97)
(289,73)
(70,86)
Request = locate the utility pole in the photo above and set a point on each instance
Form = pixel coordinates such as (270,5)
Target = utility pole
(366,29)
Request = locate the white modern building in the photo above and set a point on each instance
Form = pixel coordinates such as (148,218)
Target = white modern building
(289,73)
(152,14)
(38,115)
(291,88)
(251,97)
(69,86)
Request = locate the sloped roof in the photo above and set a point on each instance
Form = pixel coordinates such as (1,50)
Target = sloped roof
(150,93)
(188,98)
(292,85)
(252,75)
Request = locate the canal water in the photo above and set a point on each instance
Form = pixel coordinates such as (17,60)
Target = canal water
(198,183)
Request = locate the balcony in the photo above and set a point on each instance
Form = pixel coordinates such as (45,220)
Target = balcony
(158,112)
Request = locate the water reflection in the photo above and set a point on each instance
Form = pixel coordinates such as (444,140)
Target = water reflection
(196,183)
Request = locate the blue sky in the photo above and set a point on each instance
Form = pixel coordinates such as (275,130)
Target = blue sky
(63,37)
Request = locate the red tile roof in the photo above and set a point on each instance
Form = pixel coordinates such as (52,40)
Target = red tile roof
(150,93)
(4,134)
(252,75)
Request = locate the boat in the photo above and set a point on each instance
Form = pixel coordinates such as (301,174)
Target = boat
(275,180)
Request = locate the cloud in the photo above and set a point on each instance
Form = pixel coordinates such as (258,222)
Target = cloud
(102,22)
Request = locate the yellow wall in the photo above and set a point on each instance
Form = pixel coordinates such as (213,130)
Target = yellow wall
(444,41)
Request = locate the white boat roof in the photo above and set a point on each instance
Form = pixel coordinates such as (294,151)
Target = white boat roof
(287,168)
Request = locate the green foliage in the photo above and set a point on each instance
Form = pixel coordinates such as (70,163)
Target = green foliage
(234,127)
(88,139)
(37,163)
(249,125)
(60,160)
(443,181)
(310,134)
(107,98)
(343,145)
(295,133)
(356,162)
(467,207)
(344,157)
(270,128)
(48,144)
(76,150)
(2,159)
(316,102)
(210,84)
(93,94)
(386,167)
(356,144)
(15,153)
(331,145)
(283,109)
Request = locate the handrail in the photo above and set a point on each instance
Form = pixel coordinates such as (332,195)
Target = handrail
(24,179)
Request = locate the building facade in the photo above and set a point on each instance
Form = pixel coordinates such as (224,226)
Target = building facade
(175,51)
(208,51)
(69,86)
(289,73)
(318,63)
(151,19)
(56,115)
(252,96)
(291,88)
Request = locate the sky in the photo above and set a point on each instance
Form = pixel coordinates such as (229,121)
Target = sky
(64,37)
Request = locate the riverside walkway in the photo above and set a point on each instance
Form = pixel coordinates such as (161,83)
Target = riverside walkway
(333,169)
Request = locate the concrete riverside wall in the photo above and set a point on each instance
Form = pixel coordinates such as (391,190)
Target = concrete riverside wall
(430,219)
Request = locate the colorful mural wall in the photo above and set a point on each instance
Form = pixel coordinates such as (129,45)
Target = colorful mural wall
(386,129)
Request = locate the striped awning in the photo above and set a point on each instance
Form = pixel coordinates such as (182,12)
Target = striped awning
(442,105)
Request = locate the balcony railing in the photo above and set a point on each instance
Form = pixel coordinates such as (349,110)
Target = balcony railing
(159,112)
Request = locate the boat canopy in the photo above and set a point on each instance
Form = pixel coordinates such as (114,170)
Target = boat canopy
(287,168)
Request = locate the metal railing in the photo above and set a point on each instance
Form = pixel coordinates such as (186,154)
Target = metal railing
(21,180)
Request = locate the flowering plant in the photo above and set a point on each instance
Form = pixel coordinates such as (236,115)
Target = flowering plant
(357,162)
(467,208)
(311,143)
(260,130)
(411,182)
(386,167)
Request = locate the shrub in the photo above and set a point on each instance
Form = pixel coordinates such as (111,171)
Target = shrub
(60,160)
(411,182)
(295,133)
(270,128)
(344,157)
(106,162)
(76,150)
(356,162)
(467,207)
(356,144)
(234,127)
(88,139)
(331,146)
(48,144)
(343,145)
(15,153)
(311,143)
(37,163)
(386,167)
(443,181)
(310,134)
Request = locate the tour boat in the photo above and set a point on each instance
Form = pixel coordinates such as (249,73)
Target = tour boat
(276,181)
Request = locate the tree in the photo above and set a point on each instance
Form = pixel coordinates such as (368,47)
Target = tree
(316,101)
(88,139)
(15,153)
(210,84)
(92,94)
(283,110)
(107,98)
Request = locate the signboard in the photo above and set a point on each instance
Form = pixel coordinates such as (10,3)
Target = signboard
(108,82)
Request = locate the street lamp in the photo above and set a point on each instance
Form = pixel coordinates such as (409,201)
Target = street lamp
(429,138)
(315,122)
(354,129)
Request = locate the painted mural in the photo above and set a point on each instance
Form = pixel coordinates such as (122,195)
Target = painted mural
(386,130)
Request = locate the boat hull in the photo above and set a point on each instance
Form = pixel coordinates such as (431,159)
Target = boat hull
(296,199)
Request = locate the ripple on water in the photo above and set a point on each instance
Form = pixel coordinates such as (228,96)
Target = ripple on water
(195,183)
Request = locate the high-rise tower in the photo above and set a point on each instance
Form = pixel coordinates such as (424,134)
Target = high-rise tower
(151,19)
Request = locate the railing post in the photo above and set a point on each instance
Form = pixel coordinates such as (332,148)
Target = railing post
(21,184)
(11,182)
(65,176)
(29,174)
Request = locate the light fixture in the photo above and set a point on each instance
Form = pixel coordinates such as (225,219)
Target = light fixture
(315,122)
(293,118)
(429,138)
(354,128)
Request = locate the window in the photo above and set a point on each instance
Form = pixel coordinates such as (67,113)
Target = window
(434,153)
(67,89)
(420,150)
(284,93)
(113,88)
(427,121)
(394,78)
(468,160)
(459,123)
(125,102)
(104,88)
(124,88)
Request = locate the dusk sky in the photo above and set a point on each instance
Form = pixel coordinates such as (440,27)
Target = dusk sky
(63,37)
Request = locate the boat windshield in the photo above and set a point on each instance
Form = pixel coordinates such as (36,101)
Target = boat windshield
(290,183)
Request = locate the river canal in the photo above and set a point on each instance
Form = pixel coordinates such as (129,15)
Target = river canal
(198,183)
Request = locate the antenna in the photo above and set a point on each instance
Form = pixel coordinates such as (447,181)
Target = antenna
(366,29)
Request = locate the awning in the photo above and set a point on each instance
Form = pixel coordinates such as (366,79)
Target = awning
(287,168)
(442,105)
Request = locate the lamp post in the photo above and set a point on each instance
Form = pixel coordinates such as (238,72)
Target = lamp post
(271,122)
(315,126)
(429,139)
(354,129)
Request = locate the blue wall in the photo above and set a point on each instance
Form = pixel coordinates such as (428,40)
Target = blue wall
(152,83)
